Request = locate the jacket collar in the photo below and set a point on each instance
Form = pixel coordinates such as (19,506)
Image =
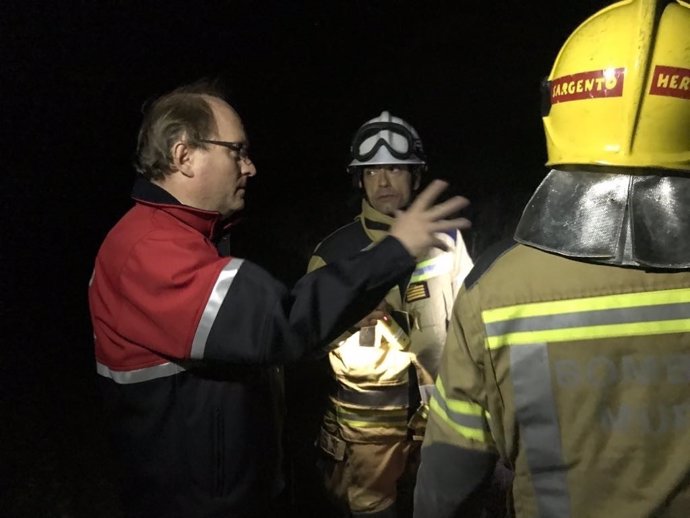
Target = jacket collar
(376,224)
(208,223)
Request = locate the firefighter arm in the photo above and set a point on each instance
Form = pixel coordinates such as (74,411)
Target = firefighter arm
(458,453)
(451,480)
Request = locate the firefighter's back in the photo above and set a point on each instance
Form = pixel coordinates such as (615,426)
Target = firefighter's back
(590,366)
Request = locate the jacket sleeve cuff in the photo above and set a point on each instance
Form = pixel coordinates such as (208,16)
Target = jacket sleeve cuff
(452,480)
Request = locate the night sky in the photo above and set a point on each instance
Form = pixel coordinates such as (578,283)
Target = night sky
(303,76)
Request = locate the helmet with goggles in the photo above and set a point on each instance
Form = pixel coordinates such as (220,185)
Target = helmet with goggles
(386,140)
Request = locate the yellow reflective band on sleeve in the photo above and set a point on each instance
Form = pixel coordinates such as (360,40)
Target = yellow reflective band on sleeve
(611,316)
(462,407)
(466,418)
(432,268)
(590,333)
(556,307)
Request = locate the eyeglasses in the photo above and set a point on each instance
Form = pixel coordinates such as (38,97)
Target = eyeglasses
(240,148)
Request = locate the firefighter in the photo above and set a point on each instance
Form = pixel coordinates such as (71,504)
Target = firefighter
(384,367)
(568,355)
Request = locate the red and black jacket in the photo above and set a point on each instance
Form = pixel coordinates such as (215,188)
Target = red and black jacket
(187,342)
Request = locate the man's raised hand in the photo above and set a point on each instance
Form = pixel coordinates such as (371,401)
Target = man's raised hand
(416,227)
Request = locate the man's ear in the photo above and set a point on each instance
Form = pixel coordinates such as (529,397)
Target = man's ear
(182,156)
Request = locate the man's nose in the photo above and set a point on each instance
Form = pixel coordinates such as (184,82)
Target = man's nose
(248,168)
(384,178)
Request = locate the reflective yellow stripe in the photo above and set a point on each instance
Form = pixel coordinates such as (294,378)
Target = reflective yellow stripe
(467,432)
(466,418)
(462,407)
(372,419)
(629,300)
(592,318)
(590,333)
(373,424)
(432,268)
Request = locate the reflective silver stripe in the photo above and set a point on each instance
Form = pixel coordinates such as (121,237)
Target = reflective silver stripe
(426,391)
(535,411)
(590,318)
(139,375)
(375,397)
(432,268)
(218,293)
(476,422)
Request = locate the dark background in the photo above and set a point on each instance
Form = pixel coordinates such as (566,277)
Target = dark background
(303,75)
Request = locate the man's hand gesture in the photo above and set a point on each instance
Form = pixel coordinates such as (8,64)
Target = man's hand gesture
(416,227)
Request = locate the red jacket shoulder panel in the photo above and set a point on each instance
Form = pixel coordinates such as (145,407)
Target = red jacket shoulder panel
(152,279)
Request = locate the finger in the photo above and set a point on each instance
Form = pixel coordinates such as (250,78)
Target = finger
(446,225)
(448,207)
(426,198)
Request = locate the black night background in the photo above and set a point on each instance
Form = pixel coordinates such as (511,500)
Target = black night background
(303,75)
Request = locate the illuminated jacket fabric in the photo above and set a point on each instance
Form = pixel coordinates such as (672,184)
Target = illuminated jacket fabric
(427,296)
(187,344)
(576,374)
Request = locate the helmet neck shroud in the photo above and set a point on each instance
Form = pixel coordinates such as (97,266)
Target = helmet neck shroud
(618,216)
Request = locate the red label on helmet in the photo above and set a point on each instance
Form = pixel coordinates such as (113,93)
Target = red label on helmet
(588,85)
(670,81)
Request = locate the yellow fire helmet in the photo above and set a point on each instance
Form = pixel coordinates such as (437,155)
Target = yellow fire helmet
(619,90)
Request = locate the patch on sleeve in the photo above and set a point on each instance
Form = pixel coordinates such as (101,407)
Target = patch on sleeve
(417,291)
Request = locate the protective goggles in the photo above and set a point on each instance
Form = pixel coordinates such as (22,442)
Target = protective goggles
(401,142)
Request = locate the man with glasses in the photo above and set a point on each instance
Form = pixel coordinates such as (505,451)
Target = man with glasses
(188,338)
(385,364)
